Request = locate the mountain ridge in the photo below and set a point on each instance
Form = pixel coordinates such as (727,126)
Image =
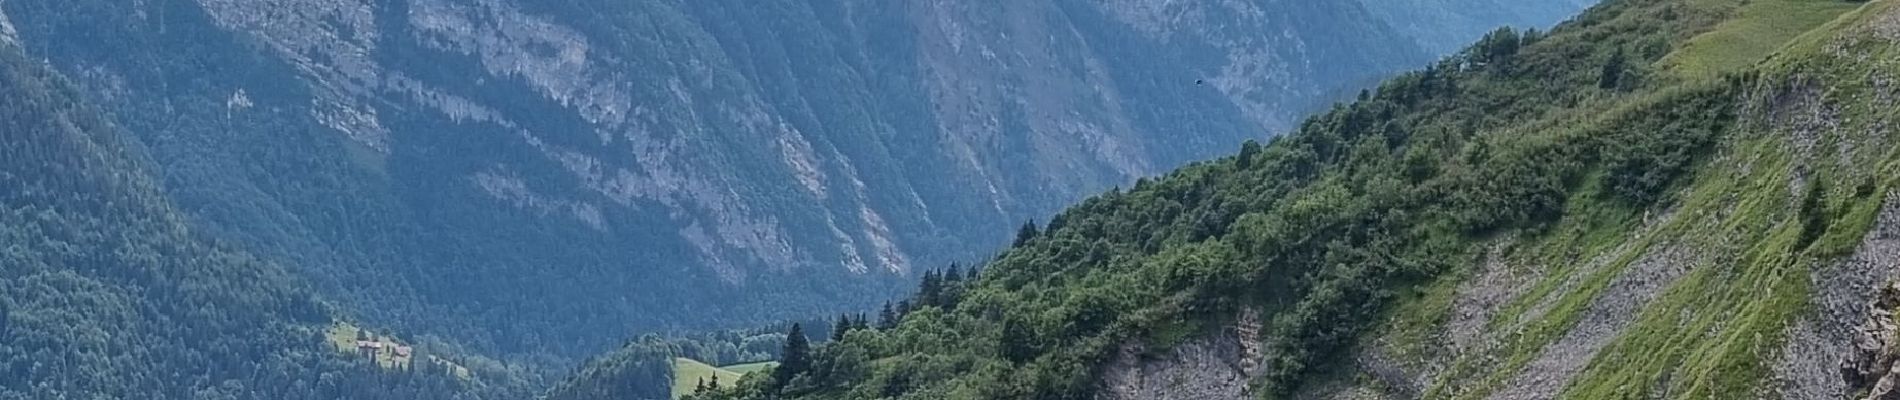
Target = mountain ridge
(107,292)
(593,168)
(1556,214)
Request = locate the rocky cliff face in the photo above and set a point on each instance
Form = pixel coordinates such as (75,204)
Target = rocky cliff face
(1868,366)
(1218,366)
(543,176)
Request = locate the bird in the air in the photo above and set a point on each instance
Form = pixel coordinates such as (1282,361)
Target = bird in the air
(1199,82)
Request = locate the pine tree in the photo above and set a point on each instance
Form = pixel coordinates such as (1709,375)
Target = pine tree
(1016,344)
(1056,223)
(841,328)
(1531,36)
(1248,151)
(1026,234)
(701,388)
(953,274)
(930,289)
(714,385)
(887,318)
(1612,77)
(1498,46)
(862,323)
(796,358)
(973,274)
(1814,215)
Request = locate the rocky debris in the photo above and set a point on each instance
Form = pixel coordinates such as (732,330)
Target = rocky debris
(1211,368)
(556,59)
(8,34)
(1468,330)
(1798,105)
(1480,298)
(1384,374)
(1845,296)
(1651,221)
(1612,311)
(1247,329)
(330,41)
(1887,26)
(1870,362)
(508,185)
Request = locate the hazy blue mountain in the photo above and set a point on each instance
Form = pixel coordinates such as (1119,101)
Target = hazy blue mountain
(547,176)
(1443,26)
(107,293)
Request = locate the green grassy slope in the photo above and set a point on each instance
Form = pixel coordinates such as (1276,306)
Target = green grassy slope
(688,374)
(1759,29)
(1732,253)
(1797,197)
(748,368)
(1326,229)
(1655,215)
(652,367)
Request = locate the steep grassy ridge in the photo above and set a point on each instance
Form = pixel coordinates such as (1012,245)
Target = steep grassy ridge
(1634,205)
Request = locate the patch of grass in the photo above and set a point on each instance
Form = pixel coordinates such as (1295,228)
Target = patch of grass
(748,368)
(1707,335)
(1595,226)
(687,374)
(1761,28)
(1715,333)
(342,337)
(1420,315)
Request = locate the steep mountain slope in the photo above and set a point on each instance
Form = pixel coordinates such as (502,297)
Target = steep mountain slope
(106,293)
(1621,208)
(544,176)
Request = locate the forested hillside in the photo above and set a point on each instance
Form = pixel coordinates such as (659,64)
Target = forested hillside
(107,293)
(537,179)
(1659,199)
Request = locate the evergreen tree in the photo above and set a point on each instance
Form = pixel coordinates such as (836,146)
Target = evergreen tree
(842,327)
(973,274)
(701,388)
(1612,76)
(1498,46)
(714,385)
(953,274)
(863,322)
(1027,233)
(1248,151)
(928,291)
(795,359)
(1531,36)
(887,318)
(1016,344)
(1814,215)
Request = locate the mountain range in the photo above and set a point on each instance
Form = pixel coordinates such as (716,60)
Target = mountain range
(1659,199)
(539,180)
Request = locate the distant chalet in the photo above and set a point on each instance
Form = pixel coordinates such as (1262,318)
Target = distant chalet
(371,348)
